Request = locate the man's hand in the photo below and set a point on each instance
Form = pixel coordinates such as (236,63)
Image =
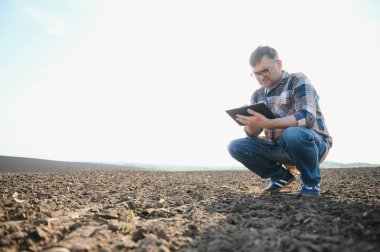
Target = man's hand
(256,120)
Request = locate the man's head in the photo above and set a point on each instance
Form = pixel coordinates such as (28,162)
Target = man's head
(266,66)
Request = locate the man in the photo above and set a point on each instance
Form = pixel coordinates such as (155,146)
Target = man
(298,136)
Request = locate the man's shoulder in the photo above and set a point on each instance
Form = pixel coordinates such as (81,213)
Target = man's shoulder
(298,76)
(298,79)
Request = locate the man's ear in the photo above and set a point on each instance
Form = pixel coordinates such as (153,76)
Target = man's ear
(279,64)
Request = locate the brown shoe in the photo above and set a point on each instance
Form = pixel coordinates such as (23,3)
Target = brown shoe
(293,169)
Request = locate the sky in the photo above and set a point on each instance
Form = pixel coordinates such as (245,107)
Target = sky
(149,81)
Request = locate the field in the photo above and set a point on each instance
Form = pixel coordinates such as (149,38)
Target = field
(186,211)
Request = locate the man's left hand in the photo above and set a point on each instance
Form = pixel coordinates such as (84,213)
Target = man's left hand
(257,119)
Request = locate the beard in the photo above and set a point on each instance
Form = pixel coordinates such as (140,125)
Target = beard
(269,83)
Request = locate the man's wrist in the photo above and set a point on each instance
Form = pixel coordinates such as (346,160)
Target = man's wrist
(252,131)
(269,123)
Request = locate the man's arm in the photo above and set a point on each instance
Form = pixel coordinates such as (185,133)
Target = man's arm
(305,103)
(282,123)
(260,121)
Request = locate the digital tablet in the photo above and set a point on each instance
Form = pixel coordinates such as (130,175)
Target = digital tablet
(259,107)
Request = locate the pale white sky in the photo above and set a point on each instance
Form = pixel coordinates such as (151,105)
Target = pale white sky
(149,81)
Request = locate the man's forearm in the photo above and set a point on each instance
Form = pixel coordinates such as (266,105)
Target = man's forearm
(282,123)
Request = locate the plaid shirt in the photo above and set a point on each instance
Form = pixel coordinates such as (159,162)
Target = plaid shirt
(293,95)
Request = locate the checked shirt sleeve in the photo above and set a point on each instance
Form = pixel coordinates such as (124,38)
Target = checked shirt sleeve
(305,100)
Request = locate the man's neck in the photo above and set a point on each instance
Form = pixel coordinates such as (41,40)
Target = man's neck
(274,84)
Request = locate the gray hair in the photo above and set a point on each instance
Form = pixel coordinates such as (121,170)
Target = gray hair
(260,52)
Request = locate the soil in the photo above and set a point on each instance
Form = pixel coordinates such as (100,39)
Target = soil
(186,211)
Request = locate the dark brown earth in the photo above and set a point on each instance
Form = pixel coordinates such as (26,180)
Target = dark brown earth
(186,211)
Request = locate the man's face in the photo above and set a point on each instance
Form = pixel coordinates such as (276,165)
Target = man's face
(267,72)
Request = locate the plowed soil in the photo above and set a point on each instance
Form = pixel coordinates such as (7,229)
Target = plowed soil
(186,211)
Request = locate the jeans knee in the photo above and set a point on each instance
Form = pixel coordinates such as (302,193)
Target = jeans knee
(233,147)
(293,136)
(243,149)
(290,133)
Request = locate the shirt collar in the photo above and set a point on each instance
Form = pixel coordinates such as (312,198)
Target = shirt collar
(284,77)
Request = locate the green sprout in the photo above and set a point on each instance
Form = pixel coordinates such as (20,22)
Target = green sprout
(61,206)
(5,196)
(126,230)
(133,214)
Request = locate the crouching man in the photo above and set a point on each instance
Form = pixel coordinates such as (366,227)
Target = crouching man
(298,136)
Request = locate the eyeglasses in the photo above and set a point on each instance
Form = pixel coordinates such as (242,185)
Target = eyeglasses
(264,72)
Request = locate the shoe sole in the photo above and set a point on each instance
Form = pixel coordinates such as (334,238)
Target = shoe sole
(279,189)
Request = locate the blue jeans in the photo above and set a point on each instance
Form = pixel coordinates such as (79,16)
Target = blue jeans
(297,146)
